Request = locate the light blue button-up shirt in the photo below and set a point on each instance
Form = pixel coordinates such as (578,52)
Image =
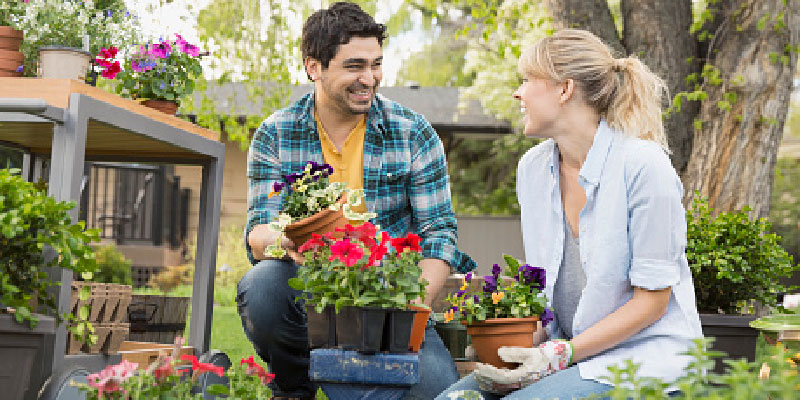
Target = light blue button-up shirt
(632,234)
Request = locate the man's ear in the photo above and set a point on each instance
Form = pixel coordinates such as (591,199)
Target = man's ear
(567,90)
(313,68)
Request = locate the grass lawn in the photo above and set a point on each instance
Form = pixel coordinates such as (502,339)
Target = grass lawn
(228,336)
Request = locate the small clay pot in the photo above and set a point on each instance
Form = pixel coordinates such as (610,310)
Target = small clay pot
(165,106)
(418,329)
(320,223)
(491,334)
(10,38)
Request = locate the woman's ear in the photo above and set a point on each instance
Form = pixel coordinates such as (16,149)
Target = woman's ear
(567,89)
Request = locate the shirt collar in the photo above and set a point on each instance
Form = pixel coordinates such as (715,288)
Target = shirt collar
(374,115)
(596,158)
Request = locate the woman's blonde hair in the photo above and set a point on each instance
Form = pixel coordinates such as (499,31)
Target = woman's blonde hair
(623,90)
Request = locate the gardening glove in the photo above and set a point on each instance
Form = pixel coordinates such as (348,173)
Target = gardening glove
(536,363)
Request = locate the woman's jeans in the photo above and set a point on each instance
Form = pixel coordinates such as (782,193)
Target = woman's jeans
(276,326)
(566,384)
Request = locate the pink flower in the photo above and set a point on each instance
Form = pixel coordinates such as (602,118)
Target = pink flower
(160,50)
(109,379)
(349,253)
(111,70)
(185,47)
(108,53)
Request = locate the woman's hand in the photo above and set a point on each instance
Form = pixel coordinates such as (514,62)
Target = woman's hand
(536,363)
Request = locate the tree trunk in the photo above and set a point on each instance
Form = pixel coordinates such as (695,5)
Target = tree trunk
(591,15)
(657,32)
(734,153)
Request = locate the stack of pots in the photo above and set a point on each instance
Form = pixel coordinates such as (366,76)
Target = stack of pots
(10,57)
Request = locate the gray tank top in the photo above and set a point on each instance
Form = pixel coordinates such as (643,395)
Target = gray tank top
(570,282)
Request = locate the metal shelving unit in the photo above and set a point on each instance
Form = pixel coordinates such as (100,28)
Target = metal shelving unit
(69,123)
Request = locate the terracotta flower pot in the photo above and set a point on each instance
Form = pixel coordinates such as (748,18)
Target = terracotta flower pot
(491,334)
(10,38)
(418,329)
(8,68)
(320,223)
(165,106)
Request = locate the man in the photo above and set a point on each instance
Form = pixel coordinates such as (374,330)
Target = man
(372,143)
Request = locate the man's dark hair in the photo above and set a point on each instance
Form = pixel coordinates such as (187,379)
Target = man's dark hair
(326,29)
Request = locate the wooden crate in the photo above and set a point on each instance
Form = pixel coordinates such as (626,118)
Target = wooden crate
(157,319)
(145,353)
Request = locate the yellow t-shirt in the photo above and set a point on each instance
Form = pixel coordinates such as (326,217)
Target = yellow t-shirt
(348,165)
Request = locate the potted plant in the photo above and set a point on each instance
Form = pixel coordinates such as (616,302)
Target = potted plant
(160,74)
(170,377)
(10,38)
(360,277)
(70,32)
(735,261)
(313,204)
(503,312)
(36,233)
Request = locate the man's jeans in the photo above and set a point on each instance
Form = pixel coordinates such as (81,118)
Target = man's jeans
(276,326)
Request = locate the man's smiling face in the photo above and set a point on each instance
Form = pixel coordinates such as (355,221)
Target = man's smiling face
(349,82)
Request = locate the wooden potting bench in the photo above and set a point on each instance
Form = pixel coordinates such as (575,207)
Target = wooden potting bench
(69,123)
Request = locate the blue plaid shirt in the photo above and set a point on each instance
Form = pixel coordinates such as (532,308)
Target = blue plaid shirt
(405,173)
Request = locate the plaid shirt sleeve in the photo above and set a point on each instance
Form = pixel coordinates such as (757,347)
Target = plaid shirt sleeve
(429,194)
(263,169)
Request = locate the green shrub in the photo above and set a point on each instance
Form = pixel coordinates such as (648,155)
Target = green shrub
(734,259)
(740,381)
(37,232)
(112,266)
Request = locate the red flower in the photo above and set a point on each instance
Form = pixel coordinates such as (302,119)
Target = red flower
(164,371)
(349,253)
(365,233)
(377,252)
(111,70)
(200,368)
(411,242)
(311,244)
(254,369)
(108,53)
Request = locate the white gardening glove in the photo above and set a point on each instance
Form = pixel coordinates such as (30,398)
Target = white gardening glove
(536,363)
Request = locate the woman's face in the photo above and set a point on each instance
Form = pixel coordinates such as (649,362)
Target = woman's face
(540,103)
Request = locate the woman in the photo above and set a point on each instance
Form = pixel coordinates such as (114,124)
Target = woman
(601,211)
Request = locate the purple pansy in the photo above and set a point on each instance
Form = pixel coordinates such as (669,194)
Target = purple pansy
(496,270)
(490,284)
(533,276)
(546,317)
(278,186)
(468,277)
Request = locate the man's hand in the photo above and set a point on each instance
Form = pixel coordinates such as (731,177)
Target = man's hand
(261,236)
(435,271)
(536,363)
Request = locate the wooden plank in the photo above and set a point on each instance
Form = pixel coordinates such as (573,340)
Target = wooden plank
(144,353)
(56,93)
